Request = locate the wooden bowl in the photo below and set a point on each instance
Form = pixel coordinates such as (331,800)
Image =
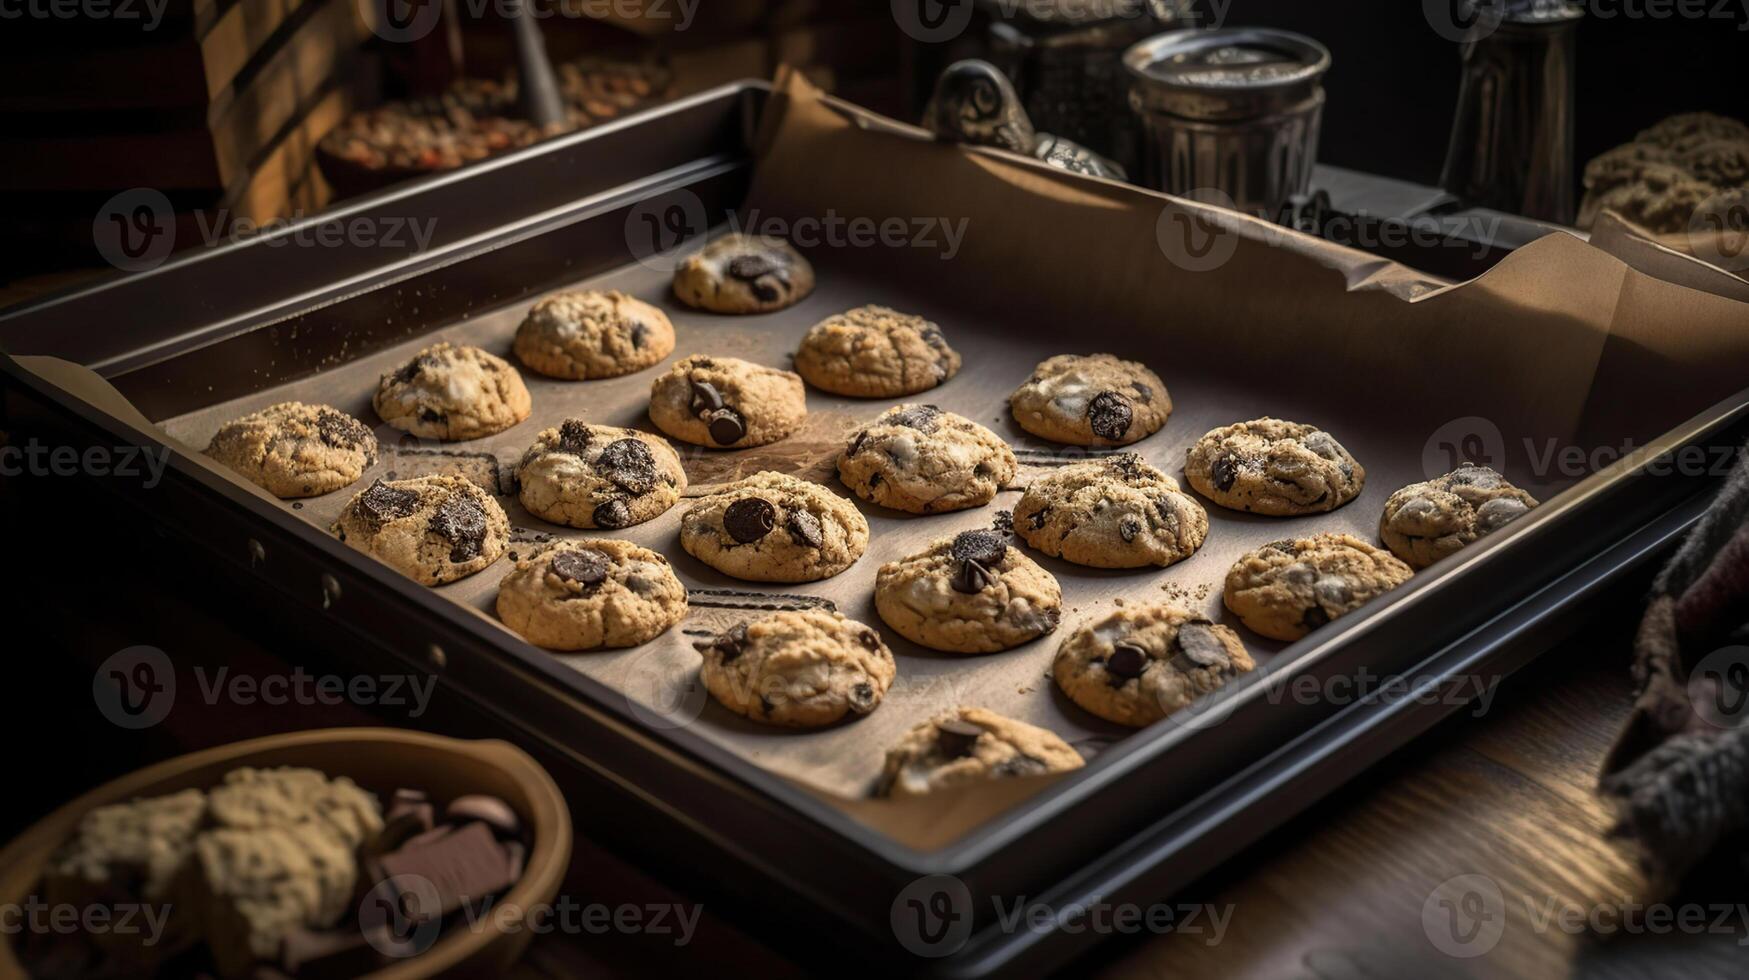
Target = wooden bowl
(376,758)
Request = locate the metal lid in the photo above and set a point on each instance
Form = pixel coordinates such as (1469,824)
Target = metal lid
(1037,15)
(1227,73)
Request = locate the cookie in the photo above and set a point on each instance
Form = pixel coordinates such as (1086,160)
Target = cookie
(970,745)
(803,669)
(1662,198)
(296,450)
(1142,663)
(1091,400)
(775,528)
(1116,512)
(1424,522)
(1272,467)
(874,352)
(922,460)
(581,334)
(744,274)
(1721,163)
(1685,131)
(971,593)
(450,392)
(727,403)
(433,529)
(1287,589)
(598,476)
(585,595)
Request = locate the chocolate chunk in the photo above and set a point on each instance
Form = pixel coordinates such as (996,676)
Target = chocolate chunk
(466,865)
(1285,547)
(1198,642)
(1021,765)
(870,639)
(489,810)
(612,515)
(411,369)
(1126,466)
(1224,471)
(1109,415)
(705,398)
(862,698)
(640,336)
(340,431)
(1128,528)
(955,737)
(1038,519)
(573,437)
(764,291)
(856,444)
(1315,617)
(804,528)
(629,464)
(931,335)
(726,427)
(728,643)
(432,416)
(874,480)
(971,578)
(381,502)
(753,265)
(749,519)
(581,565)
(462,523)
(923,418)
(984,547)
(1321,443)
(1143,392)
(1168,512)
(1126,662)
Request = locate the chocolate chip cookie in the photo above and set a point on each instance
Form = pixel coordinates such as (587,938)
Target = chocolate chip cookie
(1116,512)
(922,460)
(727,403)
(971,593)
(296,450)
(452,392)
(599,476)
(1272,467)
(1424,522)
(803,669)
(1287,589)
(582,334)
(775,528)
(585,595)
(1685,131)
(874,352)
(434,529)
(1142,663)
(1091,400)
(744,274)
(970,745)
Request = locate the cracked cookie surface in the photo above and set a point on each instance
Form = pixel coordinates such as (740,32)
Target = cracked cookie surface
(433,529)
(922,460)
(580,334)
(586,595)
(1116,512)
(1091,400)
(1286,589)
(599,476)
(875,352)
(1424,522)
(803,669)
(967,746)
(1142,663)
(1276,468)
(727,403)
(970,593)
(772,527)
(452,392)
(296,450)
(744,274)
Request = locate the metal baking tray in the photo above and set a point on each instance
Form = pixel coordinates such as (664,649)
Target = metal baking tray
(187,343)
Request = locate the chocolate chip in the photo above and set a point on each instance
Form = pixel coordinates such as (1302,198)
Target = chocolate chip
(874,480)
(573,437)
(340,431)
(1315,617)
(611,515)
(1128,528)
(856,444)
(1144,392)
(432,416)
(971,578)
(705,398)
(931,335)
(749,519)
(870,639)
(955,737)
(589,568)
(640,336)
(862,698)
(1168,512)
(1038,519)
(804,528)
(764,291)
(629,464)
(1126,662)
(923,418)
(381,502)
(1021,765)
(462,523)
(984,547)
(726,427)
(728,643)
(1127,466)
(1224,471)
(1285,547)
(1109,415)
(1199,642)
(411,369)
(750,267)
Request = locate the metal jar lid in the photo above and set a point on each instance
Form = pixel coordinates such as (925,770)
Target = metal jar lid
(1043,16)
(1226,73)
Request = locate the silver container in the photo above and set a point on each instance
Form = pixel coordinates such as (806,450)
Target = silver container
(1228,114)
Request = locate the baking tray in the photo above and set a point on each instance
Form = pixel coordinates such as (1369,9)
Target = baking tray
(220,331)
